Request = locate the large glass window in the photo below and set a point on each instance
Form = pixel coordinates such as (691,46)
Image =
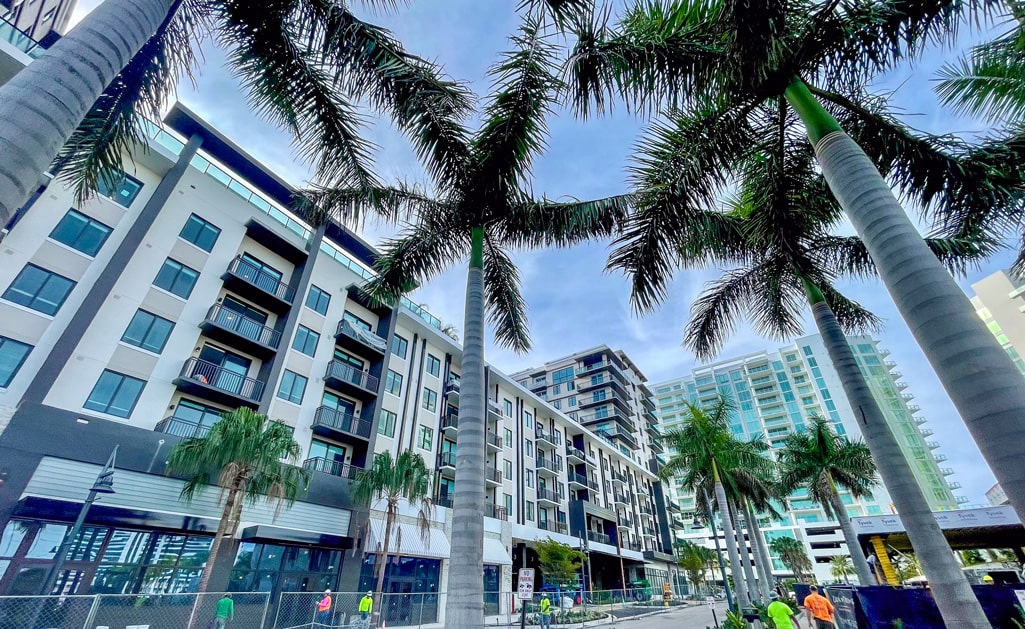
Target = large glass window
(305,341)
(429,399)
(176,278)
(356,322)
(562,375)
(148,331)
(121,190)
(293,387)
(39,289)
(198,414)
(115,394)
(81,233)
(318,300)
(386,423)
(399,346)
(425,438)
(12,357)
(433,365)
(419,577)
(393,382)
(200,232)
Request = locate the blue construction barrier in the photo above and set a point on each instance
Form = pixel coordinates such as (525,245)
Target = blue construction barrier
(877,607)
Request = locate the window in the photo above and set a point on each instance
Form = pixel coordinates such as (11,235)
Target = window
(115,394)
(508,408)
(148,331)
(562,375)
(557,404)
(528,422)
(529,478)
(529,448)
(386,423)
(530,511)
(429,400)
(393,383)
(305,341)
(425,438)
(200,232)
(572,401)
(507,468)
(12,357)
(508,503)
(293,387)
(124,188)
(39,289)
(508,438)
(433,365)
(399,346)
(176,278)
(356,322)
(317,300)
(81,233)
(556,390)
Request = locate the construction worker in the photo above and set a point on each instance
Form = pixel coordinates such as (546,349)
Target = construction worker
(324,608)
(366,606)
(820,610)
(225,612)
(546,612)
(781,614)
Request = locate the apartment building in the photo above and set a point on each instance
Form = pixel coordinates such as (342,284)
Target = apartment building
(135,319)
(999,300)
(40,20)
(602,390)
(776,393)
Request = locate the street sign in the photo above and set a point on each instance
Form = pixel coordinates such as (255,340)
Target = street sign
(710,600)
(525,590)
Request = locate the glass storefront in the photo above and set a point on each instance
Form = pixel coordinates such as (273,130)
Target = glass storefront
(412,583)
(279,568)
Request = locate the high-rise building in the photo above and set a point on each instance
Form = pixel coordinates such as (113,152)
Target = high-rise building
(604,391)
(776,394)
(138,317)
(1000,301)
(41,20)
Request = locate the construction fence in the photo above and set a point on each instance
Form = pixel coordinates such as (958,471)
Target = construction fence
(309,610)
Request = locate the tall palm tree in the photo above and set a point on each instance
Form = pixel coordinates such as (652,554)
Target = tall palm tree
(405,477)
(840,567)
(301,62)
(823,462)
(717,66)
(704,450)
(482,208)
(791,552)
(776,231)
(250,458)
(695,561)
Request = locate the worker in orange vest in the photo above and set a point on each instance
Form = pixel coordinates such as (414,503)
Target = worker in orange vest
(324,608)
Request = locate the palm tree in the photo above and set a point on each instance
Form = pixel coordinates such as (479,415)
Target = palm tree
(822,462)
(776,232)
(840,567)
(483,207)
(704,450)
(251,458)
(718,68)
(791,553)
(299,61)
(393,480)
(695,560)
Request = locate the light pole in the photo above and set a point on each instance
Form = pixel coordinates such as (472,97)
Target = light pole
(718,548)
(104,484)
(586,549)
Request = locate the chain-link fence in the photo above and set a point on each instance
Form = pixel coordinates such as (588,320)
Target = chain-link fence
(137,611)
(312,610)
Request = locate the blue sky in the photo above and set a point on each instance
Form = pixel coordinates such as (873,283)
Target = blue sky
(573,303)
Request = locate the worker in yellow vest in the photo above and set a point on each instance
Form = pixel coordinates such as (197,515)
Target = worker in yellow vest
(546,612)
(366,606)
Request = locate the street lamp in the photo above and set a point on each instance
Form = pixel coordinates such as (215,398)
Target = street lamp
(718,549)
(104,484)
(585,548)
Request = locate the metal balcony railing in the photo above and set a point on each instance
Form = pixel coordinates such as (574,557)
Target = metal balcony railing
(493,440)
(601,538)
(222,379)
(550,495)
(181,428)
(347,373)
(243,326)
(549,464)
(366,337)
(450,420)
(552,525)
(493,475)
(342,422)
(259,278)
(444,500)
(334,468)
(447,459)
(497,512)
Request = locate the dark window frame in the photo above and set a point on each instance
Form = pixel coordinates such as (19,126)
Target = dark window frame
(149,329)
(86,222)
(106,408)
(204,227)
(34,300)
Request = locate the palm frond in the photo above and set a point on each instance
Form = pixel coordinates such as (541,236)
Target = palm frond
(717,312)
(506,309)
(546,223)
(352,206)
(989,82)
(114,126)
(847,255)
(852,316)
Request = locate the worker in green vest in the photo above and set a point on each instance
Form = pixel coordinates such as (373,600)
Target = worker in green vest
(225,612)
(366,606)
(546,612)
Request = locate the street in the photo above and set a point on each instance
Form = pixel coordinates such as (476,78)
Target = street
(694,617)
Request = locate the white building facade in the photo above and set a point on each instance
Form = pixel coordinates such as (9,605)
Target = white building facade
(999,299)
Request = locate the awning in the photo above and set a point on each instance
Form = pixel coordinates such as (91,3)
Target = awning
(495,553)
(406,539)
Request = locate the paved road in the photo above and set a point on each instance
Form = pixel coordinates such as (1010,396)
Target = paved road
(695,617)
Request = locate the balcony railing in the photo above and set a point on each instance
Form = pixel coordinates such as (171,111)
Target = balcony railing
(447,459)
(494,440)
(450,421)
(334,468)
(259,278)
(645,509)
(452,386)
(444,500)
(579,479)
(347,373)
(493,475)
(601,538)
(549,464)
(552,525)
(618,477)
(181,428)
(550,495)
(625,522)
(222,379)
(497,512)
(635,546)
(550,437)
(621,498)
(243,326)
(573,452)
(365,337)
(342,422)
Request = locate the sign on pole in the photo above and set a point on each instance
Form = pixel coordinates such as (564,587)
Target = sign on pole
(525,590)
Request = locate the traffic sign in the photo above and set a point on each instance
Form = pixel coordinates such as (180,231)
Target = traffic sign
(525,590)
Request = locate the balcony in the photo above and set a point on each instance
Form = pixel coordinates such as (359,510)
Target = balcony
(444,500)
(625,522)
(360,341)
(932,445)
(656,447)
(649,531)
(450,424)
(618,478)
(914,408)
(231,328)
(334,468)
(493,441)
(493,477)
(549,439)
(496,512)
(940,458)
(654,433)
(575,456)
(447,464)
(553,526)
(646,510)
(607,417)
(549,497)
(494,411)
(947,471)
(620,404)
(621,499)
(954,486)
(548,467)
(577,481)
(538,385)
(919,420)
(348,379)
(219,385)
(258,286)
(600,538)
(181,428)
(609,433)
(635,546)
(927,432)
(452,390)
(673,507)
(334,423)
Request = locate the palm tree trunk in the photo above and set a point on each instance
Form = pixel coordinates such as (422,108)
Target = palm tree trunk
(222,529)
(465,606)
(861,567)
(740,588)
(761,554)
(979,376)
(953,594)
(745,553)
(382,557)
(44,103)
